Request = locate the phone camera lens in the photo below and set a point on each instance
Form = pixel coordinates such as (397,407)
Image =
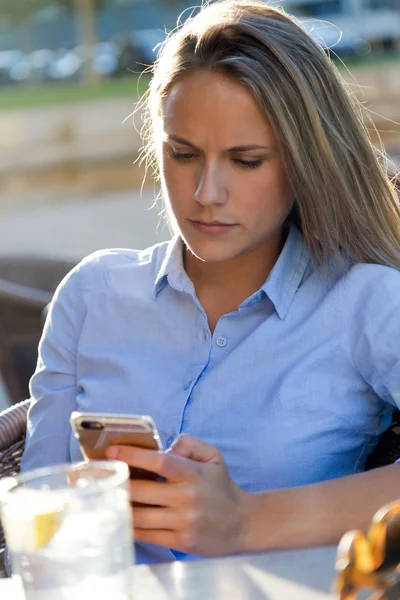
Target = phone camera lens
(91,425)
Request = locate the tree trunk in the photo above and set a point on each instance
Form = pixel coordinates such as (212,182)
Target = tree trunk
(85,12)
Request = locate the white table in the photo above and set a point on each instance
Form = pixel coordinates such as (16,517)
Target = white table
(288,575)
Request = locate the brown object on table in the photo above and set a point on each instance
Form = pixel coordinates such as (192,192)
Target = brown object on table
(391,593)
(371,561)
(26,287)
(12,443)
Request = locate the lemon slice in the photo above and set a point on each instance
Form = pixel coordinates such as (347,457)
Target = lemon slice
(45,525)
(32,520)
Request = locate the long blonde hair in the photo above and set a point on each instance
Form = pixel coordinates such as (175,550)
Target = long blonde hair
(345,200)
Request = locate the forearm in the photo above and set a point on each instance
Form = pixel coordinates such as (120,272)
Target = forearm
(317,514)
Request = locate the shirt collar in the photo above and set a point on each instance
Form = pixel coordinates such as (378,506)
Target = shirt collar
(280,287)
(171,269)
(288,272)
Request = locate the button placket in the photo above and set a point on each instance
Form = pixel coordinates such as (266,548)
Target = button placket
(203,336)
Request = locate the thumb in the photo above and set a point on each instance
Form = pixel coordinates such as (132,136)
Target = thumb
(188,446)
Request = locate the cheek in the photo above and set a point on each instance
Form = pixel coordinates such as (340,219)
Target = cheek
(168,173)
(176,182)
(269,195)
(168,180)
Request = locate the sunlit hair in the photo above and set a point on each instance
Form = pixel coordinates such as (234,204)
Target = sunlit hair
(345,201)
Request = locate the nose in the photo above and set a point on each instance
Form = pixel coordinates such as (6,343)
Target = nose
(211,187)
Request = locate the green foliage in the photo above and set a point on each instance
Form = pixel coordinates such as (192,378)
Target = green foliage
(58,94)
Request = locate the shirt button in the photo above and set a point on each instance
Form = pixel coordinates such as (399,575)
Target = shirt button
(221,341)
(170,441)
(187,385)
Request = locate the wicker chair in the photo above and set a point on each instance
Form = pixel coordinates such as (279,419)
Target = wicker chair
(12,442)
(26,287)
(387,450)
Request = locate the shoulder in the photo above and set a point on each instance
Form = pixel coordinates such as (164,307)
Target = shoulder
(371,291)
(103,266)
(372,324)
(114,258)
(373,279)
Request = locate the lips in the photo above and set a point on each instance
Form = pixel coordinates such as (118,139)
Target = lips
(212,227)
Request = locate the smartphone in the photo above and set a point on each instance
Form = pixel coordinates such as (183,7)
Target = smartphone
(97,431)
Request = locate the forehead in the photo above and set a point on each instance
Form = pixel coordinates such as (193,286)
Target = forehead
(205,106)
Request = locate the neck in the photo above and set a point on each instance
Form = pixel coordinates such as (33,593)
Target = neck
(237,278)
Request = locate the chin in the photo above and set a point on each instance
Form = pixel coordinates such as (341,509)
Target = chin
(209,254)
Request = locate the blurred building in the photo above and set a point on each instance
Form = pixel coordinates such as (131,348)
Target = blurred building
(52,24)
(365,25)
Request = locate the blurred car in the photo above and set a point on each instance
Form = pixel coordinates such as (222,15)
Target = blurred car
(38,66)
(147,42)
(40,61)
(65,65)
(136,51)
(105,58)
(344,42)
(8,60)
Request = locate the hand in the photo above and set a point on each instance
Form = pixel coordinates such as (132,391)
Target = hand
(198,509)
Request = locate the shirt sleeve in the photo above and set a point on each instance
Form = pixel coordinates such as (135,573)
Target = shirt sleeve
(53,387)
(375,335)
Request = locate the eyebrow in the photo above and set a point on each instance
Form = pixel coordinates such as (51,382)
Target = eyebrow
(247,148)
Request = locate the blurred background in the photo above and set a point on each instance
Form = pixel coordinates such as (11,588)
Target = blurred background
(69,79)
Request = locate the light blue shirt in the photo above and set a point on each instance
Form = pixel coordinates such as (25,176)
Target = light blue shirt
(294,387)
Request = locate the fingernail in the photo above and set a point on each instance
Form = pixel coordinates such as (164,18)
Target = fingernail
(112,452)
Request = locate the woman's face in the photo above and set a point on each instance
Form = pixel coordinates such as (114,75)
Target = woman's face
(222,175)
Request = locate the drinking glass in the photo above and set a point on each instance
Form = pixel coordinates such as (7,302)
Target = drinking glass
(69,532)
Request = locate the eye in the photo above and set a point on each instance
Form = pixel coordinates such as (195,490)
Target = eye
(248,164)
(182,156)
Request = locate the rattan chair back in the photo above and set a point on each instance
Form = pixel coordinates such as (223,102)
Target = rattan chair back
(12,442)
(388,449)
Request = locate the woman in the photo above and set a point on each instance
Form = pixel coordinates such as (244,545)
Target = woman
(268,329)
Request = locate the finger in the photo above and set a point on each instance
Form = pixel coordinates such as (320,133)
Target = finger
(173,468)
(156,518)
(154,493)
(191,447)
(159,537)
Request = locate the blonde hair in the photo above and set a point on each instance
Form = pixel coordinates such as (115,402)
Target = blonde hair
(345,200)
